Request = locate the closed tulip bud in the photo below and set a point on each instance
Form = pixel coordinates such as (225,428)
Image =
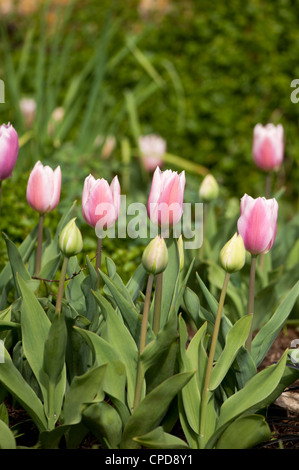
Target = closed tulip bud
(257,223)
(9,149)
(70,239)
(181,252)
(155,256)
(43,188)
(268,146)
(232,256)
(165,202)
(209,189)
(152,148)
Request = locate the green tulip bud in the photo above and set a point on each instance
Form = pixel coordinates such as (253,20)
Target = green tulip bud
(209,189)
(181,252)
(232,256)
(70,239)
(155,256)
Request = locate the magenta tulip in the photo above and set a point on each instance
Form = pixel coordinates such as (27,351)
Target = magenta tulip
(268,146)
(100,202)
(152,148)
(257,223)
(165,202)
(9,149)
(43,188)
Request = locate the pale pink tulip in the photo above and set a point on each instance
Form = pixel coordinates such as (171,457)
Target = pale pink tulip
(257,223)
(9,150)
(268,146)
(165,202)
(100,202)
(152,148)
(43,188)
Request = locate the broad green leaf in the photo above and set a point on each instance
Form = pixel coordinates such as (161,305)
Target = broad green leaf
(35,329)
(131,317)
(25,250)
(192,304)
(136,283)
(256,394)
(235,339)
(4,414)
(14,382)
(159,358)
(83,390)
(213,305)
(104,353)
(105,423)
(118,336)
(158,439)
(51,439)
(152,409)
(244,433)
(268,333)
(17,265)
(54,350)
(73,291)
(189,361)
(7,440)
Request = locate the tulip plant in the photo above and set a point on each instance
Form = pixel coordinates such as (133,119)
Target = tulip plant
(114,358)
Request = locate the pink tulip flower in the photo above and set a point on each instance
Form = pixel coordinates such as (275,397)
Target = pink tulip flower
(43,188)
(257,223)
(152,148)
(268,146)
(165,202)
(100,202)
(9,149)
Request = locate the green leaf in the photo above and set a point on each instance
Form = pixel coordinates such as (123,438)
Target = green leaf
(104,353)
(257,393)
(14,382)
(105,423)
(158,439)
(118,336)
(235,339)
(136,283)
(54,350)
(131,317)
(244,433)
(35,329)
(17,265)
(189,359)
(268,333)
(83,390)
(51,439)
(7,438)
(152,409)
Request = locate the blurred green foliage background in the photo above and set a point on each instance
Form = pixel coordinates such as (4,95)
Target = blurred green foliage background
(197,73)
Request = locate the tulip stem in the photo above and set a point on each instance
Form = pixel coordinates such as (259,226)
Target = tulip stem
(205,393)
(0,193)
(99,260)
(38,260)
(158,300)
(61,285)
(142,344)
(251,300)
